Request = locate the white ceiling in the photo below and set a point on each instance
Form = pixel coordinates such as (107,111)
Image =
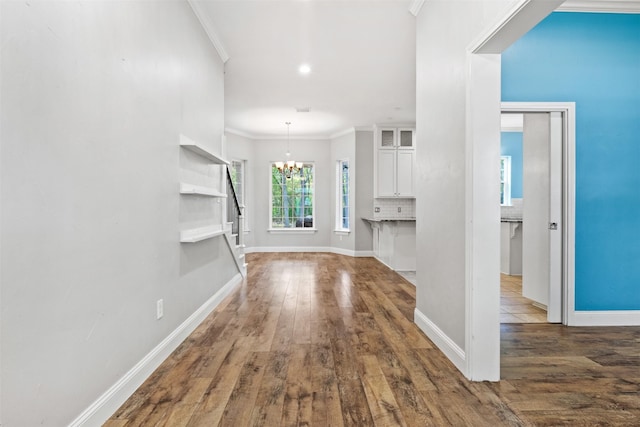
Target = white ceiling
(361,53)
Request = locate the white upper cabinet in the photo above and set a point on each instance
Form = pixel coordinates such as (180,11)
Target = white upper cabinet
(394,162)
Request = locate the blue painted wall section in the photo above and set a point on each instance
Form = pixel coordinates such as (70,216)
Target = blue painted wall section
(594,60)
(511,145)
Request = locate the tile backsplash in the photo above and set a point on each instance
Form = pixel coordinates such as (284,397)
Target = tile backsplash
(388,208)
(512,212)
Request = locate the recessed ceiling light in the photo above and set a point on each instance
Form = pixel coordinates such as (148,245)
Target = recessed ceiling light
(304,69)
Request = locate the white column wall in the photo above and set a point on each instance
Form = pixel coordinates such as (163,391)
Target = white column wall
(445,29)
(94,97)
(363,189)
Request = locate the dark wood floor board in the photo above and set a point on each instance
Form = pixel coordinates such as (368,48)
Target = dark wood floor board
(382,403)
(327,340)
(355,410)
(270,398)
(302,319)
(391,319)
(326,396)
(215,399)
(297,408)
(587,418)
(239,408)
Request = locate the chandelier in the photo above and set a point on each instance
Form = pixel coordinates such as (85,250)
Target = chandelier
(288,167)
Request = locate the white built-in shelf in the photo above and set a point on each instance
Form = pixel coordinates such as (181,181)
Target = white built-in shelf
(198,234)
(199,190)
(201,151)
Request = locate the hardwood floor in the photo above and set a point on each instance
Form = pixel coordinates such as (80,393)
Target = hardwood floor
(514,308)
(328,340)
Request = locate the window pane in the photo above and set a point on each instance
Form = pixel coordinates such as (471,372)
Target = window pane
(292,197)
(386,138)
(342,195)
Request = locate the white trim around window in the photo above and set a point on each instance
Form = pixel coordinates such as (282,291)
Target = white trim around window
(304,202)
(343,197)
(505,180)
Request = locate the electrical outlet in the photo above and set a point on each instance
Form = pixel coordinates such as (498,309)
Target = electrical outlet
(159,309)
(376,209)
(399,209)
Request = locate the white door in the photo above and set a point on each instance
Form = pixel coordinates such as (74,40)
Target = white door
(554,308)
(541,213)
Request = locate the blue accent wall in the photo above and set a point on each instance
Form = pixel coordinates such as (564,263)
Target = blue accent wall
(594,60)
(511,145)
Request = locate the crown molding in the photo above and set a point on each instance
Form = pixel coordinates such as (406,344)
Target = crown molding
(364,128)
(343,133)
(207,25)
(258,137)
(415,7)
(519,18)
(239,133)
(615,6)
(292,137)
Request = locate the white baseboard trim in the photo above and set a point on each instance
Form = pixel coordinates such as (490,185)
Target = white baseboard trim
(364,254)
(341,251)
(288,249)
(100,410)
(442,341)
(338,251)
(605,318)
(383,263)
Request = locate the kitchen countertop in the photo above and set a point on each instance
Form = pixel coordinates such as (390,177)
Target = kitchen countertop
(389,219)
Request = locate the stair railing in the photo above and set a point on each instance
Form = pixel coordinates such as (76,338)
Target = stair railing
(234,212)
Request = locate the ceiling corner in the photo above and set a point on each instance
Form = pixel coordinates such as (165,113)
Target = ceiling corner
(207,25)
(610,6)
(415,7)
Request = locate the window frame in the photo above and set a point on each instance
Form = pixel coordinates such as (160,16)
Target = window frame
(339,214)
(301,230)
(243,188)
(505,180)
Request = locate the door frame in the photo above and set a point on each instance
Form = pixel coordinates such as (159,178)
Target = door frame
(568,191)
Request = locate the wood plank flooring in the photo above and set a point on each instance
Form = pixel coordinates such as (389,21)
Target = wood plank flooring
(514,308)
(328,340)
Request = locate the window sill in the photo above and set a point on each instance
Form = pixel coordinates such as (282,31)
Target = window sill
(300,230)
(342,232)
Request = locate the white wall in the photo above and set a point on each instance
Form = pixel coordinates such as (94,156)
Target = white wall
(445,29)
(357,146)
(363,189)
(344,148)
(317,151)
(94,96)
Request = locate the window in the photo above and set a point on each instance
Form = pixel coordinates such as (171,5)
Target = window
(237,171)
(237,178)
(505,180)
(342,194)
(292,197)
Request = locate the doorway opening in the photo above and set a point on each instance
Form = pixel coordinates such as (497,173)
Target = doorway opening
(537,227)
